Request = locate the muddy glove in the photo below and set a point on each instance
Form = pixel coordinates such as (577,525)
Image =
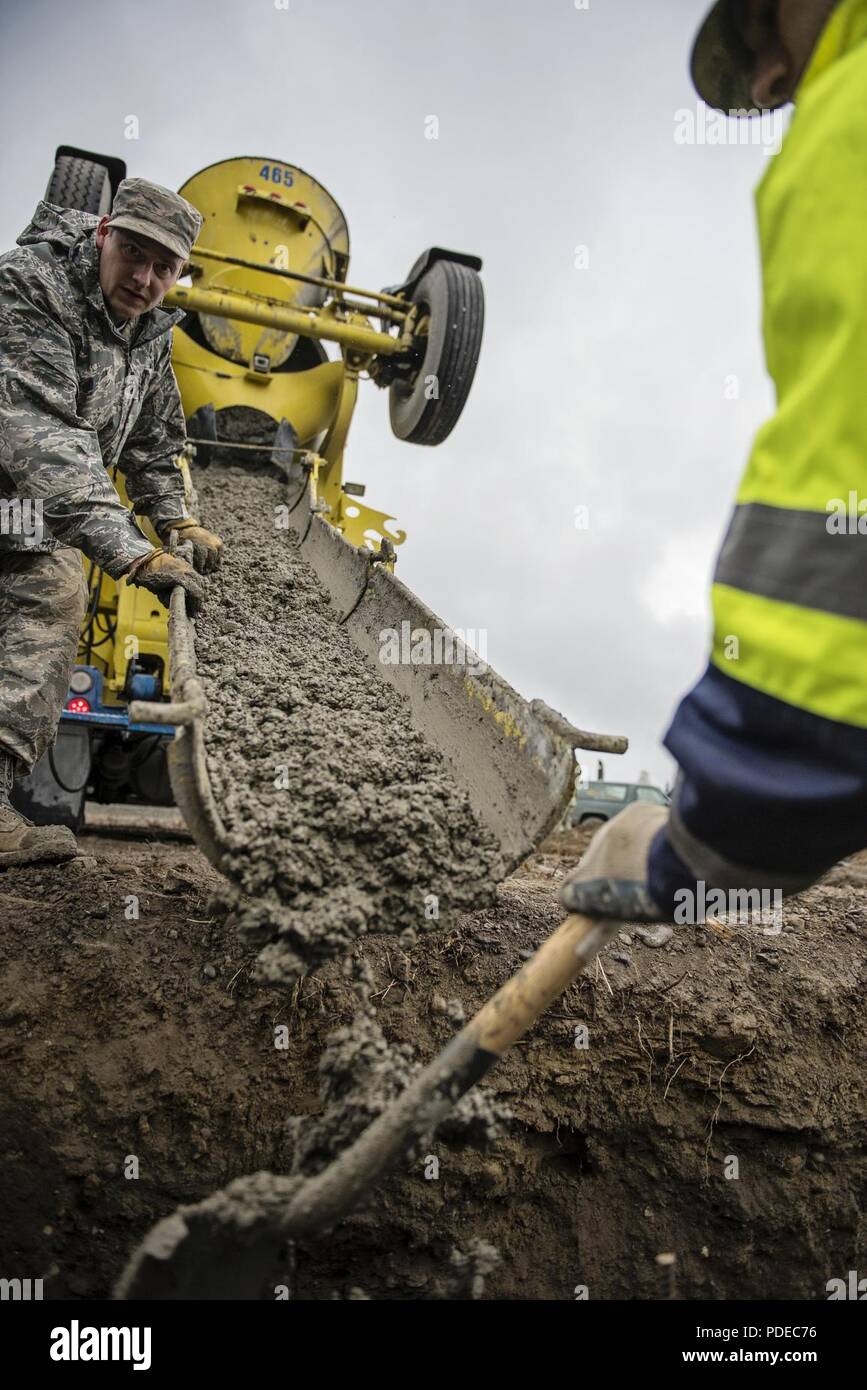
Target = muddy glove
(160,572)
(207,548)
(611,880)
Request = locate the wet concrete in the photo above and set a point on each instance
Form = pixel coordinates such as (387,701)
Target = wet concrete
(342,819)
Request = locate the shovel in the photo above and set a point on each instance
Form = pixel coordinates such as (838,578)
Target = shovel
(222,1247)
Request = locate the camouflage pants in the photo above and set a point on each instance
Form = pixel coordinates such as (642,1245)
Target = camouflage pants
(42,604)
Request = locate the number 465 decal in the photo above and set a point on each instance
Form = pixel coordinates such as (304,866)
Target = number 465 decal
(276,174)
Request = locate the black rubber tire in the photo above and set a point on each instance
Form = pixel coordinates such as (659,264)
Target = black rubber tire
(454,300)
(79,184)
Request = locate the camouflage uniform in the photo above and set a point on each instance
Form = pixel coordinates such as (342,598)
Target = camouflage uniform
(42,603)
(78,395)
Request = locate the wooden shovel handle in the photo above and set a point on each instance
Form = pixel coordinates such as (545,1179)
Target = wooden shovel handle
(514,1008)
(323,1200)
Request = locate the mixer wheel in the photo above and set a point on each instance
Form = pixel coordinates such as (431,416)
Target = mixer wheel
(424,407)
(79,184)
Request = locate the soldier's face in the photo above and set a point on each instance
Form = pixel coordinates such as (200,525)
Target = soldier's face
(134,272)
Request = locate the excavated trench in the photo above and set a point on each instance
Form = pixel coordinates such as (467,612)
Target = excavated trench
(162,1035)
(147,1038)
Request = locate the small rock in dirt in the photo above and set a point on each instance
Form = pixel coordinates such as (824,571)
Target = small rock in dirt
(438,1005)
(730,1035)
(178,883)
(492,943)
(84,864)
(625,938)
(455,1012)
(209,972)
(794,1163)
(655,936)
(622,956)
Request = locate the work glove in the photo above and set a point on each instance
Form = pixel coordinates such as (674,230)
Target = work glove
(207,548)
(611,880)
(160,572)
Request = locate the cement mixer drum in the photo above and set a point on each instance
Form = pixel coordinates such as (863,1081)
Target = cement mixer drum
(263,210)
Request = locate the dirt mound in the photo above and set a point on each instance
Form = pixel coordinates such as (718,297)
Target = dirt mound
(714,1107)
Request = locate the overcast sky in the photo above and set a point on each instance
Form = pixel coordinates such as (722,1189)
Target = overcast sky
(631,386)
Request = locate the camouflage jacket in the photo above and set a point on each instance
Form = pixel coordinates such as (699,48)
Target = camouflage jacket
(77,396)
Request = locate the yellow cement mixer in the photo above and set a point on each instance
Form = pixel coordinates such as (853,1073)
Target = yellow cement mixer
(268,359)
(268,356)
(269,291)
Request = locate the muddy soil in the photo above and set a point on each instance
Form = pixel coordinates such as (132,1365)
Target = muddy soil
(717,1111)
(315,766)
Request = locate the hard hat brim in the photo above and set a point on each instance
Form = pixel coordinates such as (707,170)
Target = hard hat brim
(720,63)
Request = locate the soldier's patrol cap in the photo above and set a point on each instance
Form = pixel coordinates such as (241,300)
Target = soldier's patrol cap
(157,213)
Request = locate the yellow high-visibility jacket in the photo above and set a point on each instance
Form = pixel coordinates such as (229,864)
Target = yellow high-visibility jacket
(772,742)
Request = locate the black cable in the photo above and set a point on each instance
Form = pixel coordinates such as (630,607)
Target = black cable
(303,538)
(108,626)
(107,631)
(73,791)
(298,498)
